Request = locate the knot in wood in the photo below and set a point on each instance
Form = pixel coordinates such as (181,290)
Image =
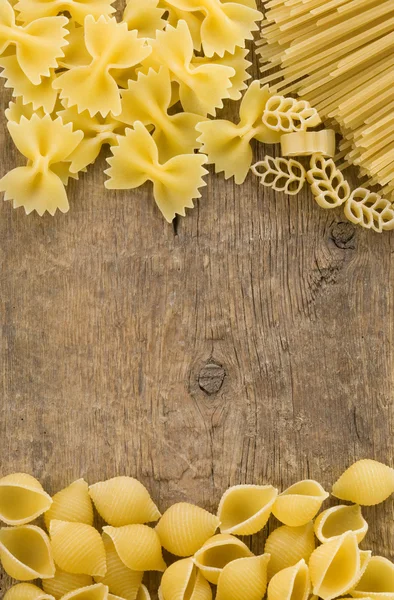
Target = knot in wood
(342,234)
(211,377)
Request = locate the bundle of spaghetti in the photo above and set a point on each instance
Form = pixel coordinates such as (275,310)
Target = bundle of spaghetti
(339,55)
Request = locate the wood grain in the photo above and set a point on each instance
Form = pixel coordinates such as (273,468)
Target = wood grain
(109,317)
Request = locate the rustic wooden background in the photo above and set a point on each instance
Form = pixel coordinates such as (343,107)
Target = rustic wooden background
(249,342)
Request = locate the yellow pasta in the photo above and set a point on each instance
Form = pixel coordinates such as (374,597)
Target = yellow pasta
(366,482)
(244,579)
(300,503)
(146,18)
(281,174)
(236,61)
(306,143)
(292,583)
(371,211)
(138,547)
(75,54)
(97,591)
(184,528)
(26,591)
(288,545)
(176,182)
(120,580)
(30,10)
(245,509)
(63,583)
(25,553)
(22,499)
(193,21)
(338,520)
(377,582)
(182,581)
(328,184)
(288,114)
(143,593)
(217,552)
(16,110)
(71,504)
(77,548)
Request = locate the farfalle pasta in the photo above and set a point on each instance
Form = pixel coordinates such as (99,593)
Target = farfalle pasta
(62,583)
(337,520)
(300,503)
(367,482)
(244,579)
(77,548)
(193,21)
(138,547)
(293,583)
(288,545)
(71,504)
(245,509)
(217,552)
(119,579)
(30,10)
(147,18)
(182,581)
(26,591)
(25,553)
(22,499)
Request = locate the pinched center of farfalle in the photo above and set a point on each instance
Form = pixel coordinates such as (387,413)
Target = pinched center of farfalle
(34,9)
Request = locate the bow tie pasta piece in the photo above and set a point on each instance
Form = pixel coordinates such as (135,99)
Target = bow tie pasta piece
(175,183)
(292,583)
(193,20)
(182,581)
(225,25)
(147,100)
(97,591)
(30,10)
(138,547)
(244,579)
(92,87)
(236,61)
(22,499)
(228,145)
(120,580)
(44,142)
(289,545)
(281,174)
(16,110)
(337,520)
(63,583)
(25,553)
(288,115)
(26,591)
(77,548)
(377,581)
(217,552)
(145,17)
(328,185)
(76,53)
(371,211)
(123,501)
(245,509)
(185,527)
(71,504)
(201,89)
(367,482)
(38,45)
(300,503)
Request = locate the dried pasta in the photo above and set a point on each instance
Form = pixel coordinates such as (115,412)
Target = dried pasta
(26,591)
(182,581)
(245,509)
(370,210)
(337,520)
(77,548)
(138,547)
(377,582)
(30,10)
(281,174)
(306,143)
(300,503)
(217,552)
(244,579)
(22,499)
(63,583)
(328,184)
(147,18)
(71,504)
(176,182)
(236,61)
(120,580)
(288,545)
(97,591)
(25,553)
(367,482)
(292,583)
(184,528)
(289,115)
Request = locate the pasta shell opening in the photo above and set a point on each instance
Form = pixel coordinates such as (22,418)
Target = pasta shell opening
(120,580)
(337,520)
(22,499)
(77,548)
(25,553)
(292,583)
(366,482)
(377,581)
(143,593)
(245,509)
(71,504)
(299,504)
(26,591)
(288,545)
(97,591)
(182,581)
(63,583)
(244,579)
(217,552)
(138,547)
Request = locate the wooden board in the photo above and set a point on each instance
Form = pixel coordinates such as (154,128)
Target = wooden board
(252,342)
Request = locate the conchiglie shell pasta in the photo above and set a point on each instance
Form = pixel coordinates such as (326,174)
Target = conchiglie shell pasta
(366,482)
(123,501)
(292,583)
(138,547)
(288,545)
(143,593)
(97,591)
(120,580)
(377,581)
(335,566)
(182,581)
(25,553)
(26,591)
(72,504)
(77,548)
(299,503)
(245,509)
(22,499)
(244,579)
(217,552)
(185,527)
(338,520)
(63,583)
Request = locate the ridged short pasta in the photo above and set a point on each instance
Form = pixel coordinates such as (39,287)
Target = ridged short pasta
(337,520)
(63,583)
(22,499)
(25,553)
(97,591)
(120,580)
(71,504)
(244,579)
(292,583)
(366,482)
(77,548)
(300,503)
(377,581)
(138,547)
(245,509)
(288,545)
(26,591)
(123,501)
(185,527)
(217,552)
(183,581)
(143,593)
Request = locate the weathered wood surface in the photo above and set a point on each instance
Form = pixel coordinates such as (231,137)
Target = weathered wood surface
(109,318)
